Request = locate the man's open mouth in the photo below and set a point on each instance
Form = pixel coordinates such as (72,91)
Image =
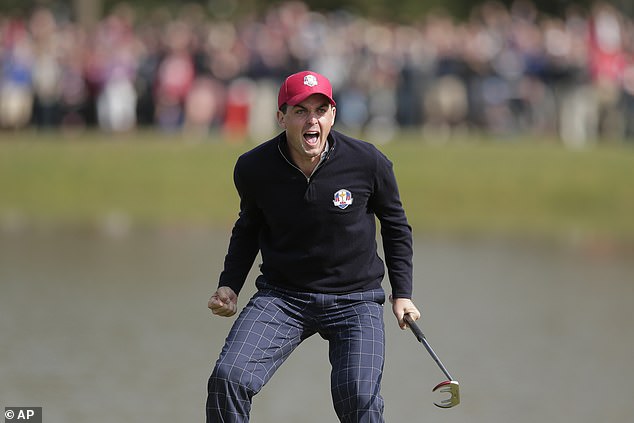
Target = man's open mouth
(311,137)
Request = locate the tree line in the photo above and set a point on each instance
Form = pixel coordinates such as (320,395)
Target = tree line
(405,11)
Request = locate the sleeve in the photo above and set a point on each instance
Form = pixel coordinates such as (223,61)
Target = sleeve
(243,244)
(396,233)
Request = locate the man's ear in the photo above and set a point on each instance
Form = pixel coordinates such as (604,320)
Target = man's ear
(334,114)
(281,119)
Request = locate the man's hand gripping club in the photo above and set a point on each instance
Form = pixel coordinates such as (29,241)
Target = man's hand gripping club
(401,307)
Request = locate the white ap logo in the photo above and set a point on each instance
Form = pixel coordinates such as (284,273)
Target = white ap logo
(19,414)
(25,414)
(310,80)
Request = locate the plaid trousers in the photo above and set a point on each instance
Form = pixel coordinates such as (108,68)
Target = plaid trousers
(275,322)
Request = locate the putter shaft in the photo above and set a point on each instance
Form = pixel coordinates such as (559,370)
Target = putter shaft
(421,338)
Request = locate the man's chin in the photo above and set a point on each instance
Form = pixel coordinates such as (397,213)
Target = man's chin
(313,150)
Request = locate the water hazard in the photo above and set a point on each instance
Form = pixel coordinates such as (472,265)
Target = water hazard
(101,329)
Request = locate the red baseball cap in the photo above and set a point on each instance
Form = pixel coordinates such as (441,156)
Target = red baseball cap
(299,86)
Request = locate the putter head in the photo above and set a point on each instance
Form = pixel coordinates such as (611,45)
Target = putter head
(453,388)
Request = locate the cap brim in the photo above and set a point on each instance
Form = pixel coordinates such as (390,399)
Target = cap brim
(293,101)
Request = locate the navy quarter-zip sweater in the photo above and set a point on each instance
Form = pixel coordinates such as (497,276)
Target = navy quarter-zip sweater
(318,234)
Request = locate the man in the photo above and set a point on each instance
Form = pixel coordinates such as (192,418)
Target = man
(308,202)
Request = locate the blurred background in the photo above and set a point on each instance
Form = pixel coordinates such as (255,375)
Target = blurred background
(556,69)
(511,129)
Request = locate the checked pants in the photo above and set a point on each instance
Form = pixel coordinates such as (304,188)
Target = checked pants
(274,323)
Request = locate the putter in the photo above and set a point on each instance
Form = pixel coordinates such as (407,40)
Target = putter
(450,386)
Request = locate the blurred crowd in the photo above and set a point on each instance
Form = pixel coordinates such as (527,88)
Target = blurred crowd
(506,71)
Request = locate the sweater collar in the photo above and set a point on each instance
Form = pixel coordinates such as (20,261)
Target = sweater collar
(328,150)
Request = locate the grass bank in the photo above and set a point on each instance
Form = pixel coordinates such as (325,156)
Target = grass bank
(477,187)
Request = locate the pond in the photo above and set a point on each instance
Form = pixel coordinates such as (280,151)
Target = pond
(99,329)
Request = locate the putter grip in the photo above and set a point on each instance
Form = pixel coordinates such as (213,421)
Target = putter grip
(414,328)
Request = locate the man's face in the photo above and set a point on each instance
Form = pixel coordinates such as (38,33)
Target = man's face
(307,126)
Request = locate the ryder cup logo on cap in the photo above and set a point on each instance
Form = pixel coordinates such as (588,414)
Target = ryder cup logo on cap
(343,198)
(310,80)
(299,86)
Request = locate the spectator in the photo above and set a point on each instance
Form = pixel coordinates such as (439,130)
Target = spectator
(16,85)
(46,68)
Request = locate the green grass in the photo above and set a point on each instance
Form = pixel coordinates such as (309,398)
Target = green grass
(152,181)
(522,188)
(478,187)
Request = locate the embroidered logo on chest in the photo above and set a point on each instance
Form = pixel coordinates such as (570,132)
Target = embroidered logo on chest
(343,198)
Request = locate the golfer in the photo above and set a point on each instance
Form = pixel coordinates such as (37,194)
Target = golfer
(309,200)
